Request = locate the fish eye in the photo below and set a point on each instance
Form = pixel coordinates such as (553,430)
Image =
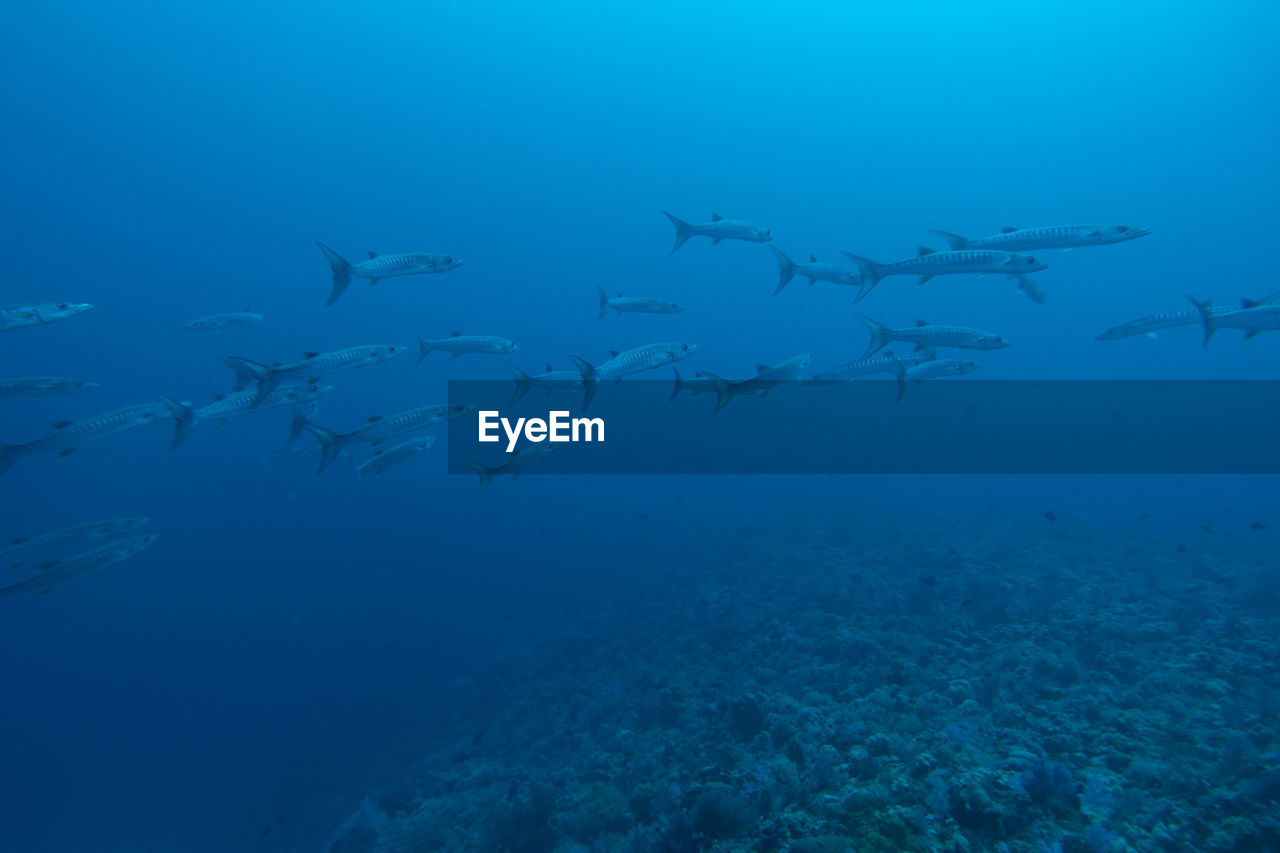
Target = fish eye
(448,259)
(63,305)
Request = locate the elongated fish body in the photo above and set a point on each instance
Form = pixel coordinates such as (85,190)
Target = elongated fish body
(549,380)
(20,316)
(42,386)
(766,379)
(634,304)
(315,366)
(58,573)
(242,402)
(815,270)
(885,362)
(519,460)
(379,429)
(1156,322)
(1051,237)
(23,550)
(384,459)
(718,229)
(217,322)
(1255,318)
(925,334)
(939,368)
(68,435)
(378,267)
(459,344)
(637,360)
(929,263)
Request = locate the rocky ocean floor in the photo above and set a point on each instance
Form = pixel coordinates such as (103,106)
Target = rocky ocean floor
(895,686)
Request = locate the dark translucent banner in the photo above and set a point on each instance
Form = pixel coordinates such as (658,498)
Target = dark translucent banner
(937,427)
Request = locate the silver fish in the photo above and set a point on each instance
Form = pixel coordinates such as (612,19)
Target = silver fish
(1012,239)
(520,460)
(378,267)
(1252,320)
(766,379)
(459,344)
(21,550)
(925,334)
(384,459)
(550,380)
(814,270)
(378,429)
(57,573)
(630,361)
(883,363)
(939,368)
(20,316)
(68,435)
(314,366)
(302,397)
(928,262)
(718,229)
(1153,323)
(43,386)
(217,322)
(634,304)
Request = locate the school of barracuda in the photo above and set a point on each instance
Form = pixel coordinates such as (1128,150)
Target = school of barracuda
(71,552)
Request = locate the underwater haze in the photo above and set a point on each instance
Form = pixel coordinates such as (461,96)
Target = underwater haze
(401,661)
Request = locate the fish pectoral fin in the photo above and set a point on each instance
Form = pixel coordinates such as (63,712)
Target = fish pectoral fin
(374,281)
(65,453)
(455,355)
(923,279)
(1251,334)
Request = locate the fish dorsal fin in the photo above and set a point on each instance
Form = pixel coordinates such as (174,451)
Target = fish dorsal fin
(619,294)
(373,419)
(17,540)
(454,333)
(921,251)
(761,368)
(61,424)
(715,217)
(275,364)
(548,367)
(813,259)
(1008,229)
(310,354)
(1249,303)
(922,322)
(613,353)
(372,254)
(217,397)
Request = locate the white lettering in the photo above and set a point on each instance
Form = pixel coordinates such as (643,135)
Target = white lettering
(558,427)
(512,434)
(587,425)
(486,425)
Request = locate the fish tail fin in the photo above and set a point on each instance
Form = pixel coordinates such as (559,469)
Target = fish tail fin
(869,273)
(786,268)
(677,387)
(879,335)
(341,272)
(246,371)
(604,302)
(589,381)
(683,230)
(1029,287)
(956,242)
(330,444)
(1206,317)
(424,348)
(723,393)
(484,472)
(523,382)
(297,423)
(928,354)
(183,420)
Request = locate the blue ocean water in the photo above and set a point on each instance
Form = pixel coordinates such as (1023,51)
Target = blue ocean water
(294,645)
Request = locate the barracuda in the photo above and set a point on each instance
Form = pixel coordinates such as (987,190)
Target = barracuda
(634,304)
(20,316)
(925,334)
(314,366)
(815,270)
(630,361)
(384,459)
(929,263)
(43,386)
(378,267)
(379,429)
(550,380)
(1052,237)
(718,229)
(766,379)
(69,435)
(55,574)
(1253,319)
(884,363)
(218,322)
(21,550)
(459,344)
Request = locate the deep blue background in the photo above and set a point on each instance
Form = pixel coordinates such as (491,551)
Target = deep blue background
(271,656)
